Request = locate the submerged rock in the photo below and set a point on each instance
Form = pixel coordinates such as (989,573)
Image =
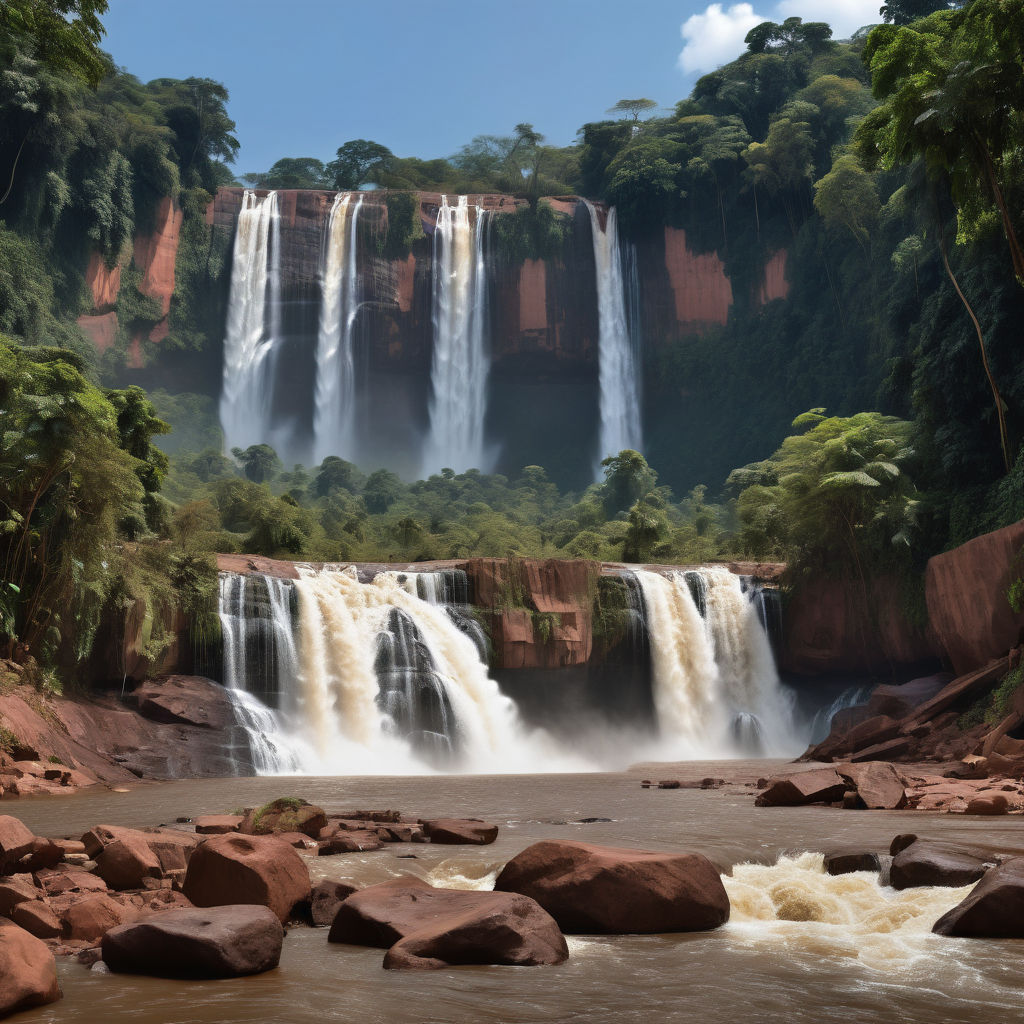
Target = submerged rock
(603,889)
(327,897)
(457,831)
(234,869)
(993,910)
(28,973)
(216,942)
(845,862)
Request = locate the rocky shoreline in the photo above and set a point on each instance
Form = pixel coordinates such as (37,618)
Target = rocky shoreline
(216,896)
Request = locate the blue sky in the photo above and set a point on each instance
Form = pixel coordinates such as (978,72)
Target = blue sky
(423,79)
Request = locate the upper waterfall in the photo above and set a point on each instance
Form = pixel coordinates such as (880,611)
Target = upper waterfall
(333,411)
(461,361)
(618,360)
(253,325)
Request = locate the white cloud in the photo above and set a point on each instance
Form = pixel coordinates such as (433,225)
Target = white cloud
(845,16)
(716,36)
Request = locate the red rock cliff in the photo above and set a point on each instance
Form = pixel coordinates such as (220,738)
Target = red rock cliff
(967,603)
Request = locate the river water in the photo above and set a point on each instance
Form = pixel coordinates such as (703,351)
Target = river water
(800,946)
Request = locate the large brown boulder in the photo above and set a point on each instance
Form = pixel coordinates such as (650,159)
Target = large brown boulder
(844,862)
(88,920)
(28,973)
(822,785)
(993,910)
(287,814)
(233,868)
(15,841)
(928,863)
(37,919)
(460,831)
(216,942)
(428,928)
(878,784)
(126,863)
(14,890)
(182,700)
(603,889)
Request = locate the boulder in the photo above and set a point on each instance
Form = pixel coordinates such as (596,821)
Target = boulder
(878,785)
(28,971)
(327,896)
(822,785)
(993,910)
(286,814)
(89,919)
(15,841)
(14,890)
(603,889)
(171,847)
(991,803)
(126,863)
(428,928)
(215,942)
(69,879)
(927,863)
(901,842)
(458,831)
(218,824)
(45,853)
(231,869)
(844,862)
(37,919)
(183,700)
(348,842)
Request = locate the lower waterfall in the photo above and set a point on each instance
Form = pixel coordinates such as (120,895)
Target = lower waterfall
(333,675)
(716,690)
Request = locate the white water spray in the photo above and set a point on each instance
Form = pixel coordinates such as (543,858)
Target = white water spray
(460,365)
(334,406)
(253,327)
(618,361)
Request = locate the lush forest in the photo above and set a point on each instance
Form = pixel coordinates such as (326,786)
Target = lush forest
(891,166)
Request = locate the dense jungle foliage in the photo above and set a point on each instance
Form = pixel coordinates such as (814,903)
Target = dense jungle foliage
(890,167)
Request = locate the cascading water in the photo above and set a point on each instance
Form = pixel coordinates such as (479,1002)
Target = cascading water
(618,360)
(460,364)
(334,405)
(253,326)
(716,690)
(259,657)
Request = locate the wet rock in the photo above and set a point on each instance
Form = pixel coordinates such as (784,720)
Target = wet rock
(181,700)
(28,971)
(218,824)
(37,919)
(993,910)
(430,928)
(15,841)
(845,862)
(991,804)
(669,784)
(926,863)
(348,842)
(459,831)
(215,942)
(901,842)
(327,897)
(286,814)
(878,785)
(821,785)
(235,869)
(404,833)
(603,889)
(44,854)
(88,920)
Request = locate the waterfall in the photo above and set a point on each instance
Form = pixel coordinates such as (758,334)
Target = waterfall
(334,406)
(618,360)
(716,689)
(253,325)
(461,362)
(259,657)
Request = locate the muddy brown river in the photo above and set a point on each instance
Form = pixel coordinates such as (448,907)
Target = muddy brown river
(800,946)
